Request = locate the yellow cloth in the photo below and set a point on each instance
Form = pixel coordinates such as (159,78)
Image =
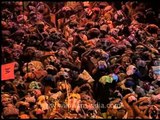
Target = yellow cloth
(86,76)
(104,115)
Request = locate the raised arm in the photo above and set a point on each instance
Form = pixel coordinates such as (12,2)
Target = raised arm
(140,113)
(126,105)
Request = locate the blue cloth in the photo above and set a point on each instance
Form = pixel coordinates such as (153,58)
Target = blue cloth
(115,77)
(157,72)
(102,67)
(106,56)
(129,83)
(138,74)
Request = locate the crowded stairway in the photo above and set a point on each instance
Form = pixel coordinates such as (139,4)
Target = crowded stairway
(73,60)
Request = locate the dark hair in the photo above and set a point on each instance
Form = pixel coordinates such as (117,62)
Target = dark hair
(9,87)
(125,92)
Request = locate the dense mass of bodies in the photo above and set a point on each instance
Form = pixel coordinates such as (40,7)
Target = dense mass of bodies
(81,60)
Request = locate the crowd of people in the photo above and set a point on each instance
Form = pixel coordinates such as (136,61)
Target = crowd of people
(81,60)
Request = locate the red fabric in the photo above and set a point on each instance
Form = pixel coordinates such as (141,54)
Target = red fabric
(7,71)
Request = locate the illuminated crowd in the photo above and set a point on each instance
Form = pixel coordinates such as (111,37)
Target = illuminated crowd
(89,60)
